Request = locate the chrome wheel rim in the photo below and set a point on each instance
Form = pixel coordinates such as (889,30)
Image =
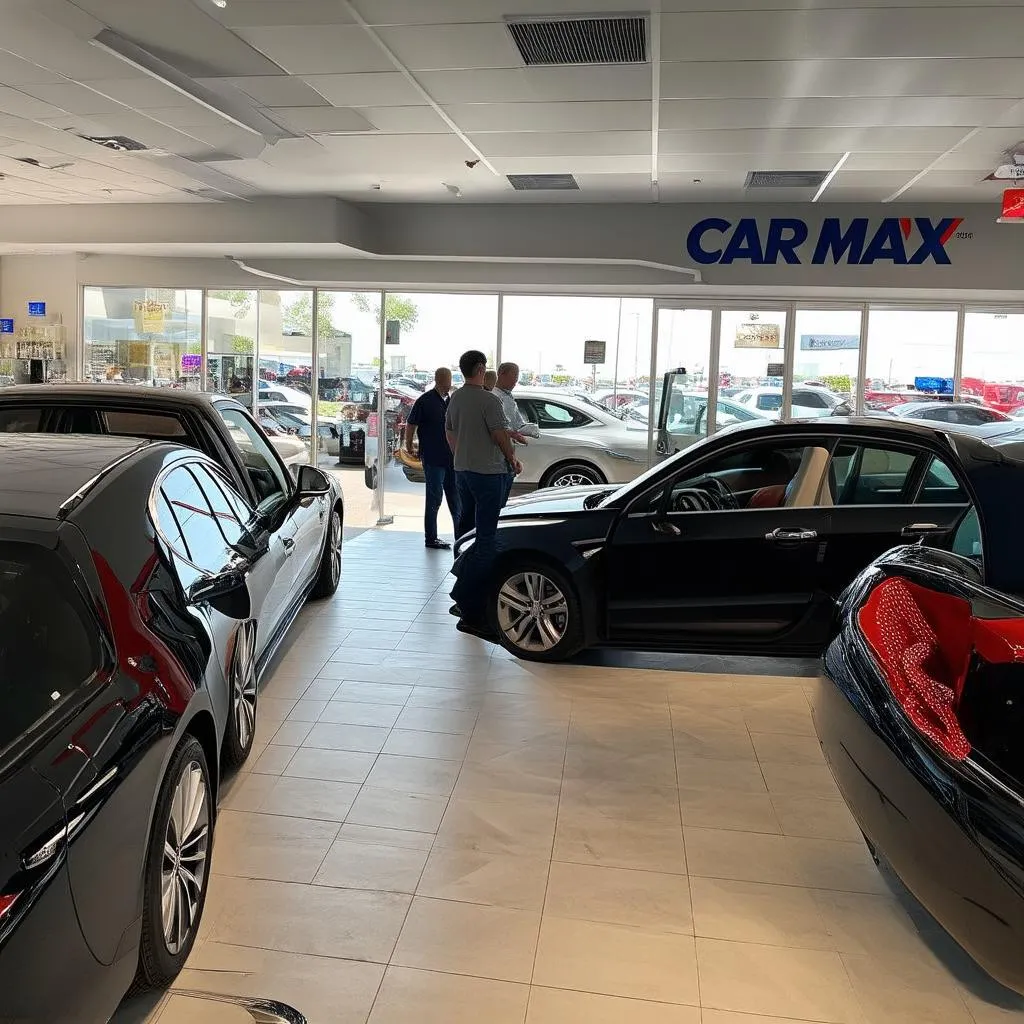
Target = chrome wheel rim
(533,614)
(335,548)
(576,479)
(186,844)
(244,684)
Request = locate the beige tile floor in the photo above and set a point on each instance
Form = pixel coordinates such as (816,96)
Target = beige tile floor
(432,833)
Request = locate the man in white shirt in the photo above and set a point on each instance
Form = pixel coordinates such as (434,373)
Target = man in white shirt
(519,427)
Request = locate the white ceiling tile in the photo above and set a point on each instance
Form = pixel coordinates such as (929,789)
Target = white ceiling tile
(374,89)
(980,161)
(544,84)
(910,162)
(910,111)
(551,117)
(700,164)
(878,32)
(438,47)
(139,92)
(322,119)
(862,77)
(566,144)
(993,141)
(20,104)
(279,91)
(330,49)
(186,116)
(17,72)
(405,120)
(638,164)
(781,142)
(75,98)
(366,153)
(250,13)
(439,12)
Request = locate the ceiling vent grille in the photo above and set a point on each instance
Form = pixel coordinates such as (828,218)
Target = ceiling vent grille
(586,39)
(785,179)
(543,182)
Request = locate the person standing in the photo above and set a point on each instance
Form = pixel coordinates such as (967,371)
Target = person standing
(520,428)
(427,418)
(478,435)
(490,379)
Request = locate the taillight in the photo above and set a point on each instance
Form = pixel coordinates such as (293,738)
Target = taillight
(902,624)
(6,902)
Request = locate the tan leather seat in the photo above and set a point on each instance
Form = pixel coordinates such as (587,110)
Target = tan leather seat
(804,490)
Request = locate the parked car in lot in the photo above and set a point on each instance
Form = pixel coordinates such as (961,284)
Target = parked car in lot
(919,716)
(808,401)
(259,467)
(962,413)
(738,544)
(141,592)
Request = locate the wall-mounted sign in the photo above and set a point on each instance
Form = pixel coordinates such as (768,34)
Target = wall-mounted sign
(138,353)
(775,370)
(392,331)
(6,326)
(191,363)
(1013,204)
(150,315)
(37,309)
(594,352)
(829,342)
(751,335)
(898,240)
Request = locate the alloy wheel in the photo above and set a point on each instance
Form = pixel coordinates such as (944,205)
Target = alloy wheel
(533,613)
(243,684)
(186,844)
(572,479)
(335,547)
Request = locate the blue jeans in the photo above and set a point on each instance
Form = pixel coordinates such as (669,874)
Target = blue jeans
(481,496)
(510,479)
(440,482)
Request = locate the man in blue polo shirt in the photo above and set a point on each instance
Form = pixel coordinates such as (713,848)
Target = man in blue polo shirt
(427,418)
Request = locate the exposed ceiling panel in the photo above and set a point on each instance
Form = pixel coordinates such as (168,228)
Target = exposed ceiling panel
(330,50)
(276,91)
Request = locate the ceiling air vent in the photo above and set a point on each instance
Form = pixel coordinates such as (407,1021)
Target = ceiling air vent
(785,179)
(119,143)
(543,182)
(582,39)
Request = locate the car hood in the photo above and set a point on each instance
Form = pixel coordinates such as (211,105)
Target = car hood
(553,501)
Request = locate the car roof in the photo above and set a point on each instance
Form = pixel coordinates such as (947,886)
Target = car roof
(39,472)
(173,397)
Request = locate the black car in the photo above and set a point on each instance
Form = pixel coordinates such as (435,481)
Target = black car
(919,715)
(135,584)
(739,544)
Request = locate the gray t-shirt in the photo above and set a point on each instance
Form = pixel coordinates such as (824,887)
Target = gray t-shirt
(473,414)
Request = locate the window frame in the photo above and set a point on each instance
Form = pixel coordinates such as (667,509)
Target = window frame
(220,407)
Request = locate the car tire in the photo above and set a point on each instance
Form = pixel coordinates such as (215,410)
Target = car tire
(183,822)
(329,574)
(558,634)
(244,698)
(573,474)
(370,477)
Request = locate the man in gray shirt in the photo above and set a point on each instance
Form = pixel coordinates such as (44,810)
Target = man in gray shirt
(519,427)
(478,434)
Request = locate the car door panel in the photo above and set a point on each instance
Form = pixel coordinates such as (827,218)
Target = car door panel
(703,580)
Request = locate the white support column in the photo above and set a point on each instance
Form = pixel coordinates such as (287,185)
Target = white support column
(500,338)
(788,359)
(382,432)
(314,383)
(715,341)
(958,358)
(861,384)
(204,341)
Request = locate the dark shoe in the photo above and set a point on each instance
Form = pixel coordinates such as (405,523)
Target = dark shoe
(438,545)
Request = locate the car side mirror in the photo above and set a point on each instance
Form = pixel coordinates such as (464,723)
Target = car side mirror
(227,592)
(312,483)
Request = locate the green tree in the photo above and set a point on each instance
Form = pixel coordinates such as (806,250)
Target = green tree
(297,315)
(396,307)
(242,345)
(241,301)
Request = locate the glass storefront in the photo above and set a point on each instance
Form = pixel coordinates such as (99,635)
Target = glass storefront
(332,374)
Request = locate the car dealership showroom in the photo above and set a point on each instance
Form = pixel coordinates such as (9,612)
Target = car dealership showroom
(532,490)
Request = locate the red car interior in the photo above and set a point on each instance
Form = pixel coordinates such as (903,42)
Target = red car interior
(928,645)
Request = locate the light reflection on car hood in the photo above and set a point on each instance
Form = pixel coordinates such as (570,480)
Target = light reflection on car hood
(553,501)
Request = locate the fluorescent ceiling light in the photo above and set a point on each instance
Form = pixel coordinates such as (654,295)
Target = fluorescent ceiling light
(831,174)
(149,64)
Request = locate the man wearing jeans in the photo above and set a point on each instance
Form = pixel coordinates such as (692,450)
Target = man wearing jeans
(427,417)
(519,427)
(478,434)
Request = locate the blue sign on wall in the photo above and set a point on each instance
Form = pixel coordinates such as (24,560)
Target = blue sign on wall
(6,326)
(829,342)
(934,385)
(37,309)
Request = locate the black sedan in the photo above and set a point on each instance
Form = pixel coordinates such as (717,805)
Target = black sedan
(919,715)
(739,544)
(134,583)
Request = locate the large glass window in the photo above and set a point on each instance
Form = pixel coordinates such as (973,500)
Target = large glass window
(911,353)
(149,336)
(993,363)
(683,343)
(751,360)
(826,362)
(231,336)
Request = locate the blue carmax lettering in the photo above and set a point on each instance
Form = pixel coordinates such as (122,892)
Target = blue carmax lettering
(716,240)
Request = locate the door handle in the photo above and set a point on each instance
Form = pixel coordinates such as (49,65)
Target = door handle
(289,545)
(921,529)
(670,529)
(791,534)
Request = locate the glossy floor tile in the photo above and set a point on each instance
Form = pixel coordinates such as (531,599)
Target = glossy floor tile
(431,832)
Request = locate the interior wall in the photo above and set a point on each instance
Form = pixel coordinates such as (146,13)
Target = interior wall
(49,279)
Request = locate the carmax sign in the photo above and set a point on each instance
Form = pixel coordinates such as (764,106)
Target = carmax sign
(908,241)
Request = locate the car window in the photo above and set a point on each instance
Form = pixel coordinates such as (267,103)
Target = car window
(769,402)
(809,399)
(200,537)
(941,486)
(967,540)
(21,420)
(553,416)
(49,648)
(752,477)
(131,423)
(869,475)
(268,476)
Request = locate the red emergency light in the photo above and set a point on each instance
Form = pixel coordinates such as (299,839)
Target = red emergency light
(1013,205)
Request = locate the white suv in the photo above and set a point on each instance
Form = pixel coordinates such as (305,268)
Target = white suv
(809,402)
